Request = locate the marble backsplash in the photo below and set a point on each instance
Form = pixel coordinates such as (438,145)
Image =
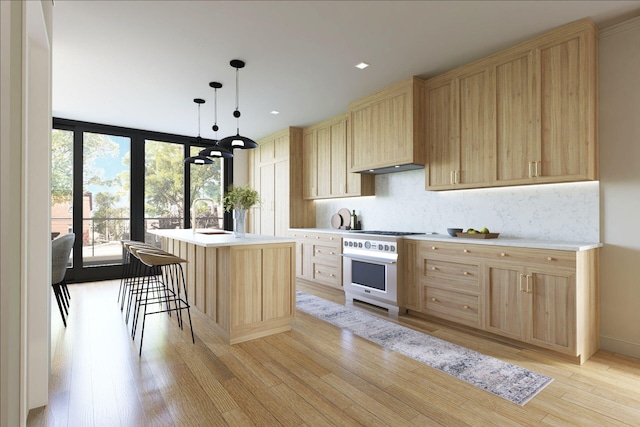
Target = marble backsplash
(566,212)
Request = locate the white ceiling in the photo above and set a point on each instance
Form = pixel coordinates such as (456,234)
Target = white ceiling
(139,64)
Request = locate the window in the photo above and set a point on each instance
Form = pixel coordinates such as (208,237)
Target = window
(126,182)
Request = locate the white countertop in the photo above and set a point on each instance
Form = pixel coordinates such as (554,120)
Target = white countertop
(500,241)
(212,240)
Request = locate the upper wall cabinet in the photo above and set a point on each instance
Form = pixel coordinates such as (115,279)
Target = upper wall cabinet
(387,129)
(523,116)
(459,115)
(326,155)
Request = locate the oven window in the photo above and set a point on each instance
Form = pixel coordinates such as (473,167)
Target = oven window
(368,274)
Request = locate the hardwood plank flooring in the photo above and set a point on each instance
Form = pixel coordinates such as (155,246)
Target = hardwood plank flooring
(314,375)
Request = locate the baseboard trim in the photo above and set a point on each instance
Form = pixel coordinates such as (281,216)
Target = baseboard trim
(618,345)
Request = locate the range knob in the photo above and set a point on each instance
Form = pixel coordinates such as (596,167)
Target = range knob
(360,244)
(386,247)
(367,245)
(393,248)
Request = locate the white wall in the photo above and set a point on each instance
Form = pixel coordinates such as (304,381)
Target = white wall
(566,212)
(11,404)
(25,200)
(620,187)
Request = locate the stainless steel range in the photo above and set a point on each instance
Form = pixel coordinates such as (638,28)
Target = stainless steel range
(370,268)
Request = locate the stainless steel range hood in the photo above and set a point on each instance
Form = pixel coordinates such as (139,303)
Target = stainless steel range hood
(391,169)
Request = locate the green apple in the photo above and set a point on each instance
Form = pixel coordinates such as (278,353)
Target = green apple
(471,231)
(485,230)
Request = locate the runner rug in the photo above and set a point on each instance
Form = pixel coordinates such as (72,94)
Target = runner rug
(503,379)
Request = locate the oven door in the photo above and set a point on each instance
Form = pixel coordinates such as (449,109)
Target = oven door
(370,276)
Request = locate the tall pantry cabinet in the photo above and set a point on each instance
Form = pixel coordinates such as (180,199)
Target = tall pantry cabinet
(274,171)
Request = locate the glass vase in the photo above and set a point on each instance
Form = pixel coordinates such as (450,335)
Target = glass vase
(239,216)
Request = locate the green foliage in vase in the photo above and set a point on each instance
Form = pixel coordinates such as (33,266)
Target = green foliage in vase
(240,198)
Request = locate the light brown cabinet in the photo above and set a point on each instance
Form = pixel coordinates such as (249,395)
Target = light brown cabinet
(533,304)
(459,115)
(387,128)
(318,258)
(273,171)
(525,115)
(326,158)
(547,298)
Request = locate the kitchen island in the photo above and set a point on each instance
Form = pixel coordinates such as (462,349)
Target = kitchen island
(246,284)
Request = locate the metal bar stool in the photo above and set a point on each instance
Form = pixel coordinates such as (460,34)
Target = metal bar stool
(133,286)
(173,292)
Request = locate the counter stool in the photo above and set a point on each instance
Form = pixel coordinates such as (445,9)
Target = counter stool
(169,284)
(132,285)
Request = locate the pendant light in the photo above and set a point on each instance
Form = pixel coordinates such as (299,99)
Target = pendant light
(215,150)
(198,160)
(237,141)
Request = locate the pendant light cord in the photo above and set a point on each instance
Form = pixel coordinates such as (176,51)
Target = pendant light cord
(198,120)
(237,102)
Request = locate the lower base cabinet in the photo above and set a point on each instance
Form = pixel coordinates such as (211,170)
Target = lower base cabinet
(541,297)
(318,258)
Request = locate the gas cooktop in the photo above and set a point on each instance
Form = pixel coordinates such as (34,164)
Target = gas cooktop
(386,233)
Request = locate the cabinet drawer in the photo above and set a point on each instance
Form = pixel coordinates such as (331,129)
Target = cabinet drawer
(451,275)
(326,274)
(469,250)
(532,256)
(451,305)
(330,253)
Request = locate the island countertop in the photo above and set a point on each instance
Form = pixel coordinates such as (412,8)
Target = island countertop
(221,238)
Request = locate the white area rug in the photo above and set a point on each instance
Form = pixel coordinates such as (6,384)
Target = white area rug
(511,382)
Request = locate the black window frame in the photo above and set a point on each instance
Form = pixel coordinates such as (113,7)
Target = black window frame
(78,273)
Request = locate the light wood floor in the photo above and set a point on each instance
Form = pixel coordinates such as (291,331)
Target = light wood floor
(315,375)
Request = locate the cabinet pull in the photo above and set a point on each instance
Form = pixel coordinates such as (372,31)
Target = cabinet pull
(433,268)
(503,254)
(332,253)
(549,258)
(453,177)
(466,273)
(529,276)
(332,275)
(317,237)
(330,238)
(457,175)
(521,276)
(434,299)
(433,247)
(317,271)
(466,307)
(537,164)
(466,251)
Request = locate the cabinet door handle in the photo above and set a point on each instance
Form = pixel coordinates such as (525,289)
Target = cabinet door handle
(466,251)
(332,253)
(433,247)
(529,277)
(457,177)
(332,275)
(503,254)
(549,258)
(521,276)
(453,177)
(317,237)
(466,307)
(433,268)
(466,273)
(530,169)
(434,299)
(330,238)
(537,164)
(317,271)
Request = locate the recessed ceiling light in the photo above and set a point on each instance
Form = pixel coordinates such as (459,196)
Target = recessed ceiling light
(362,65)
(274,112)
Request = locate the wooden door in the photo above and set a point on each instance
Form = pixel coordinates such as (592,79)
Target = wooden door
(281,203)
(443,146)
(476,128)
(340,182)
(323,143)
(517,135)
(564,142)
(553,309)
(267,194)
(309,165)
(504,294)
